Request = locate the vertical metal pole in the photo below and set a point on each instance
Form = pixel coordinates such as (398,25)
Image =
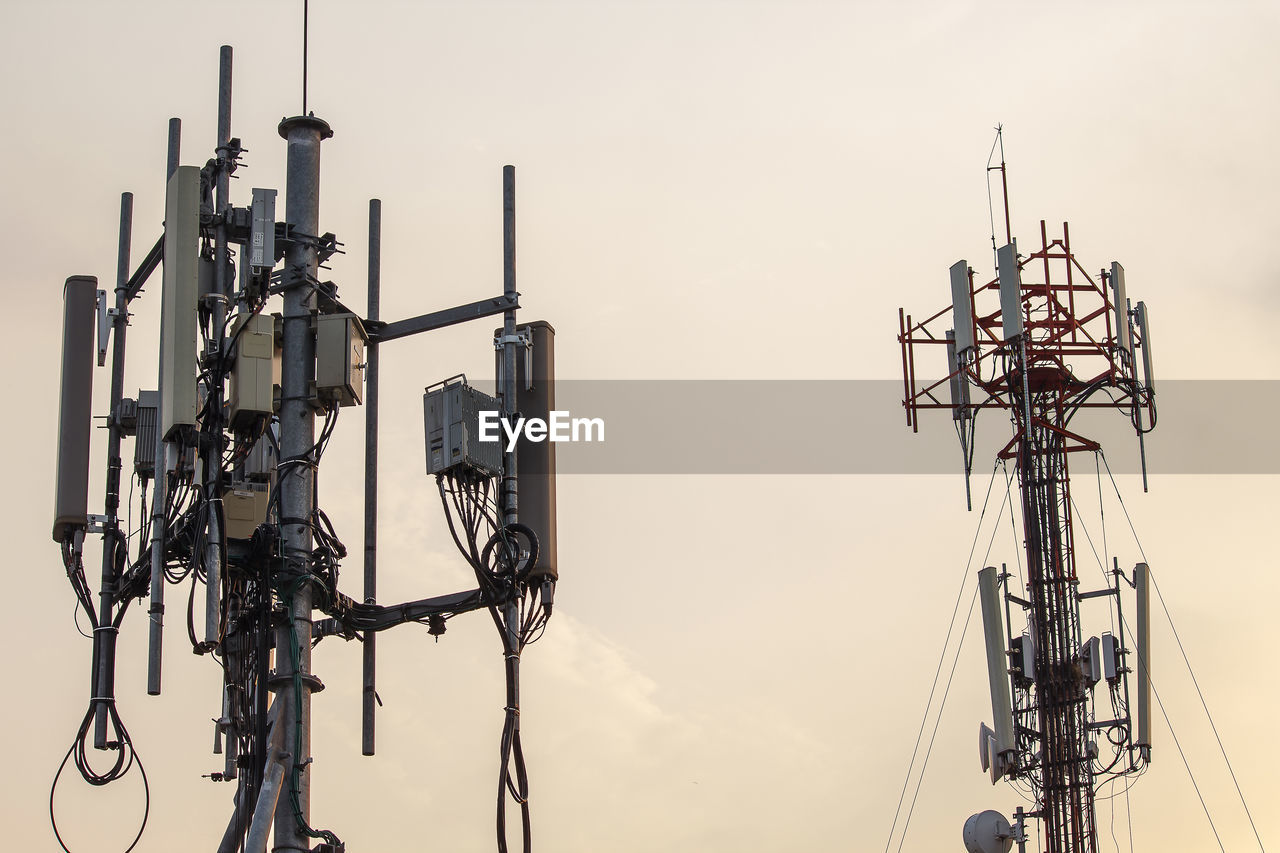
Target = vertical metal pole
(369,701)
(305,10)
(104,659)
(221,295)
(160,495)
(510,503)
(510,497)
(296,475)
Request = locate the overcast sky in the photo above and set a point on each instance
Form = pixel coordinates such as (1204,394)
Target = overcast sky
(706,190)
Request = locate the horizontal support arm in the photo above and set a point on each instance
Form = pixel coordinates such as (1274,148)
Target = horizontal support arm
(377,617)
(145,269)
(379,332)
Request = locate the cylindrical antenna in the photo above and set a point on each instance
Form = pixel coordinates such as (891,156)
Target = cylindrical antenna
(224,94)
(369,698)
(1004,184)
(175,147)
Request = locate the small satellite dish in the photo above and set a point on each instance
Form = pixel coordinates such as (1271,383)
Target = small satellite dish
(988,832)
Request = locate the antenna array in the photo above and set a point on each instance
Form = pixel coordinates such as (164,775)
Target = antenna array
(233,440)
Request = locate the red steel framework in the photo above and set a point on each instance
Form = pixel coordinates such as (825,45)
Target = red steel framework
(1075,351)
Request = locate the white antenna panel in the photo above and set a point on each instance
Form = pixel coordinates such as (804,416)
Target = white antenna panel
(985,737)
(959,382)
(997,662)
(1029,655)
(1010,290)
(1144,329)
(1141,581)
(180,291)
(962,305)
(1120,302)
(1110,656)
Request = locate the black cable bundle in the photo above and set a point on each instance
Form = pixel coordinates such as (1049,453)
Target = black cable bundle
(503,563)
(126,755)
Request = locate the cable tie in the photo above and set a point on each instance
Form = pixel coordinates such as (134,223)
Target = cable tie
(115,629)
(108,699)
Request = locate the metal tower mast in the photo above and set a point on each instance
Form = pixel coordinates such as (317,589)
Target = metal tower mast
(1043,341)
(297,436)
(1044,481)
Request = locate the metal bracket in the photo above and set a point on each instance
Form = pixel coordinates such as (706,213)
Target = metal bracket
(499,342)
(380,332)
(524,339)
(104,328)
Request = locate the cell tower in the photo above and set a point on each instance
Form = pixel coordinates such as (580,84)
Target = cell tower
(232,440)
(1042,341)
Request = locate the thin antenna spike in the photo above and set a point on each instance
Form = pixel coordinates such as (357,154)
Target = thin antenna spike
(1004,182)
(305,10)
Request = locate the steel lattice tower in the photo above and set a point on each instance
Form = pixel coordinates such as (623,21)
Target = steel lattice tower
(1042,341)
(1063,719)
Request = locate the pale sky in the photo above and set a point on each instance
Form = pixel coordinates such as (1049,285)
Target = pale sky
(710,190)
